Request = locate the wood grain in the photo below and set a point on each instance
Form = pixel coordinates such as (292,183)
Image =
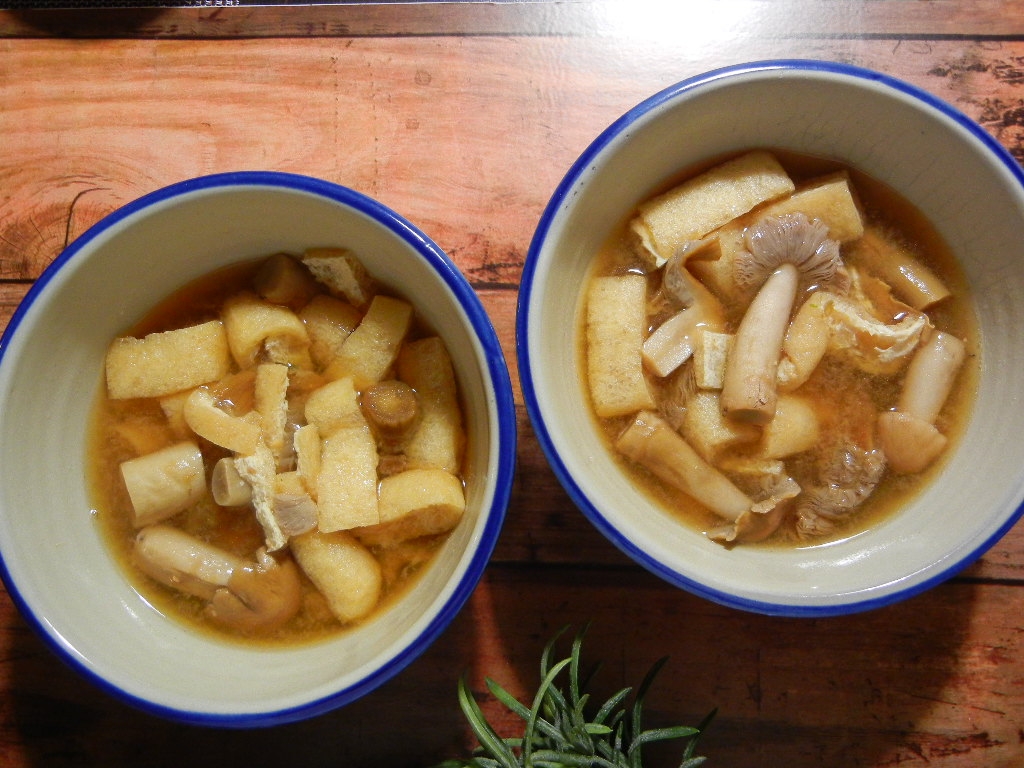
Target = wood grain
(464,120)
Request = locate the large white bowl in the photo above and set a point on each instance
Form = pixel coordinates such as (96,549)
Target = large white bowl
(54,561)
(943,163)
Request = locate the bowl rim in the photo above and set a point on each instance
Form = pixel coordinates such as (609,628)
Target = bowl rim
(497,376)
(561,198)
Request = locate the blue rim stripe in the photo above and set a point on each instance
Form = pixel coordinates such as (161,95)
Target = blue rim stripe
(562,196)
(497,375)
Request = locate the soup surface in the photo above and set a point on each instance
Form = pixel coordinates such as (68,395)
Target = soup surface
(778,349)
(277,453)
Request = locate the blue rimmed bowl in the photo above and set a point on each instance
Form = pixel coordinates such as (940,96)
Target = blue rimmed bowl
(53,559)
(947,166)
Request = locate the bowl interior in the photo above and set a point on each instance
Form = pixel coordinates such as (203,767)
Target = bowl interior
(967,187)
(56,563)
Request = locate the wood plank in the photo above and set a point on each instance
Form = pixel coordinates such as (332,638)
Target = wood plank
(936,681)
(746,19)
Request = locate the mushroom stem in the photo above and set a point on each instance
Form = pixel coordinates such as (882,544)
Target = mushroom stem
(651,442)
(930,376)
(749,387)
(907,435)
(243,595)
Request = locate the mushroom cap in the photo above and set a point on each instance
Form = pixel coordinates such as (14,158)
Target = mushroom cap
(787,239)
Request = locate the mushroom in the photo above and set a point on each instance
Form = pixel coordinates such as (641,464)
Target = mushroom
(241,594)
(227,486)
(850,477)
(763,518)
(652,443)
(391,408)
(907,435)
(674,341)
(782,252)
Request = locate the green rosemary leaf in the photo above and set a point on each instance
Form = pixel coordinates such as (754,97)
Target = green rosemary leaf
(542,692)
(511,702)
(485,734)
(610,706)
(662,734)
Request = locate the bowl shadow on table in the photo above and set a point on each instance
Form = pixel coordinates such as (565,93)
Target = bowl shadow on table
(845,690)
(56,718)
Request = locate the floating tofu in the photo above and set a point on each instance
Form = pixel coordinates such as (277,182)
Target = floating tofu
(710,352)
(256,326)
(165,482)
(794,429)
(329,321)
(343,570)
(708,201)
(271,402)
(235,433)
(708,431)
(164,363)
(829,199)
(616,324)
(334,405)
(372,348)
(259,470)
(439,438)
(416,503)
(347,482)
(308,448)
(282,279)
(343,273)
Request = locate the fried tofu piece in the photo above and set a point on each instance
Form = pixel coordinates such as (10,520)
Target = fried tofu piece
(343,570)
(282,279)
(371,349)
(329,321)
(167,362)
(415,503)
(334,405)
(616,325)
(347,482)
(240,434)
(271,403)
(343,273)
(438,439)
(255,326)
(706,202)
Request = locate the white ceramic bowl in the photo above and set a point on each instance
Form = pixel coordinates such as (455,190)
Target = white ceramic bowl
(943,163)
(54,562)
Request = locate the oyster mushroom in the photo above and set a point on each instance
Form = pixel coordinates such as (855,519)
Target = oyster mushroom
(907,435)
(674,341)
(849,478)
(782,253)
(652,443)
(763,518)
(245,595)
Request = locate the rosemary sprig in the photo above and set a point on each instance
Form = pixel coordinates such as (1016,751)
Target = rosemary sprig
(558,732)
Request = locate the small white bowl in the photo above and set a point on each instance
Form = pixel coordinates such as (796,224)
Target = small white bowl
(54,561)
(943,163)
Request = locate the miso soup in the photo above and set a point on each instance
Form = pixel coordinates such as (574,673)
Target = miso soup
(276,454)
(779,349)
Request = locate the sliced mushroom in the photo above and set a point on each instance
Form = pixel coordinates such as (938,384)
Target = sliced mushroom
(244,595)
(782,252)
(907,435)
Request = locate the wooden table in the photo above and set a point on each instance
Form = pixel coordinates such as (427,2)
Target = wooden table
(464,117)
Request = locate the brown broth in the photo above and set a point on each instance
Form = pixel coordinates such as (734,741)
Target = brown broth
(881,207)
(234,529)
